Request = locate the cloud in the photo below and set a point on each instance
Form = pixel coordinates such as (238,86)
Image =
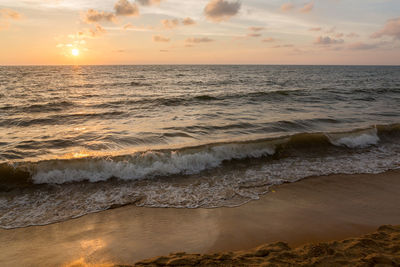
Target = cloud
(6,15)
(327,41)
(170,24)
(362,46)
(284,46)
(97,31)
(287,6)
(307,7)
(352,35)
(331,30)
(268,40)
(256,29)
(125,8)
(188,21)
(195,40)
(316,29)
(160,39)
(391,28)
(94,16)
(148,2)
(339,35)
(173,23)
(254,35)
(128,26)
(220,10)
(94,32)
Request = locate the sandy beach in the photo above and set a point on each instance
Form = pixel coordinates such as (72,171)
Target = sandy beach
(317,209)
(379,248)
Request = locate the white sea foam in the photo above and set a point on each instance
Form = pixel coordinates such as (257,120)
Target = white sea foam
(146,165)
(359,139)
(221,187)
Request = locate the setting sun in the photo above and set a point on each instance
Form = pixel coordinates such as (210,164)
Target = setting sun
(75,52)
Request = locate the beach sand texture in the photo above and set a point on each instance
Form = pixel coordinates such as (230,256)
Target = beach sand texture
(316,209)
(381,248)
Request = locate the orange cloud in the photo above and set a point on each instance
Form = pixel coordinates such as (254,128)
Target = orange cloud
(220,10)
(256,29)
(268,40)
(160,39)
(188,21)
(307,7)
(391,28)
(195,40)
(254,35)
(173,23)
(6,15)
(316,29)
(287,6)
(9,13)
(170,24)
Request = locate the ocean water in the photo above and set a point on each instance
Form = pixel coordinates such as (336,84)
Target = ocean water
(81,139)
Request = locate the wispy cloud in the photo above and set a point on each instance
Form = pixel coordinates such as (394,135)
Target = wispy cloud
(268,40)
(170,23)
(256,29)
(352,35)
(160,39)
(197,40)
(287,6)
(391,28)
(254,35)
(6,15)
(362,46)
(307,7)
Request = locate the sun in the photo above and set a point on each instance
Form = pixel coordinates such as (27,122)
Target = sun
(75,52)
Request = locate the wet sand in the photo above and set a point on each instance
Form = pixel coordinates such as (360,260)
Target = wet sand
(312,210)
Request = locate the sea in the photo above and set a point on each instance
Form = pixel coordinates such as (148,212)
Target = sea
(81,139)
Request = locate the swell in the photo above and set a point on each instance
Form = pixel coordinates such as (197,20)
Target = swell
(199,99)
(191,160)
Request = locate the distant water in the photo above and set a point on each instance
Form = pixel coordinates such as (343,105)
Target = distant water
(76,140)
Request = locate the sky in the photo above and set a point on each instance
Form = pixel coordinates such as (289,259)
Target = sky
(53,32)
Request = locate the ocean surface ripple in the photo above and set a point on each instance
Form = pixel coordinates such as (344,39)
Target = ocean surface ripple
(81,139)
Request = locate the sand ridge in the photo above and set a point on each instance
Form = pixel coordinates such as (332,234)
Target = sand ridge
(379,248)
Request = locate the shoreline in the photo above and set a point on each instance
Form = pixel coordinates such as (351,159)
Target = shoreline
(315,209)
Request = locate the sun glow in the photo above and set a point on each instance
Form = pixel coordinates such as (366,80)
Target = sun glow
(75,52)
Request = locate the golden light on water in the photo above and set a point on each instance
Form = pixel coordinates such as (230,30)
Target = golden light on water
(75,52)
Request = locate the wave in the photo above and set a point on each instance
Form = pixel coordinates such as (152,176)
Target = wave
(188,160)
(209,176)
(148,103)
(45,107)
(356,139)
